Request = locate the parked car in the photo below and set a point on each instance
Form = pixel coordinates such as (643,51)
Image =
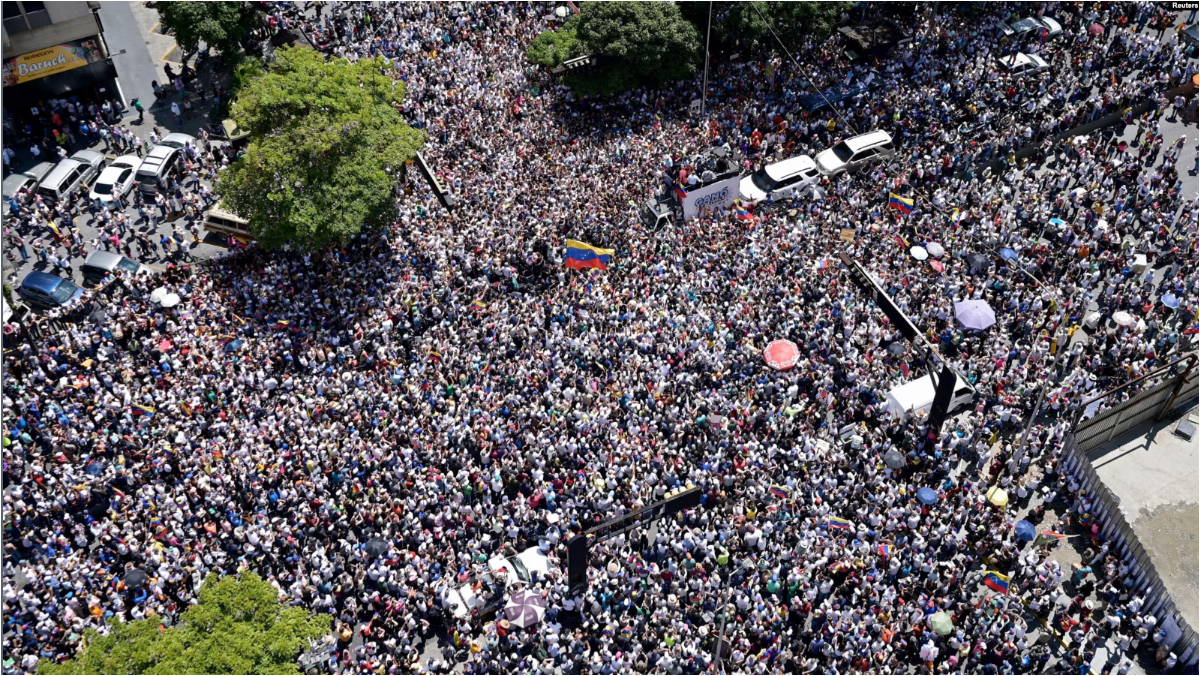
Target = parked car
(856,152)
(132,161)
(70,173)
(26,180)
(44,290)
(161,162)
(177,140)
(99,264)
(1031,28)
(114,182)
(1022,64)
(793,176)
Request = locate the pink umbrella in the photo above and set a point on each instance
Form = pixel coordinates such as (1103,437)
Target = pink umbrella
(1096,29)
(165,345)
(781,355)
(937,265)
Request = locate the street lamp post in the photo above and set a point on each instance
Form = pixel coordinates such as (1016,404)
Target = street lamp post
(707,58)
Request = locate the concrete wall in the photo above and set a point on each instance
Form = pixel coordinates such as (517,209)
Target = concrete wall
(71,21)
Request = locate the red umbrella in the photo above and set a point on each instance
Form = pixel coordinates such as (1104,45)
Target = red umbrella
(1096,29)
(937,265)
(781,355)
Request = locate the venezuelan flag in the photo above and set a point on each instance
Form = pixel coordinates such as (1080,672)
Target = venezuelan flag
(838,523)
(282,324)
(996,581)
(904,204)
(781,492)
(580,256)
(742,212)
(680,189)
(901,241)
(886,550)
(139,409)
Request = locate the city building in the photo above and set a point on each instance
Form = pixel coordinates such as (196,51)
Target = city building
(53,52)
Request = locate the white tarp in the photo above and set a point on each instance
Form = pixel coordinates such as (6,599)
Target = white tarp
(715,196)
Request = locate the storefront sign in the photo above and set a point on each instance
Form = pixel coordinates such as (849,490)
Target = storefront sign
(51,60)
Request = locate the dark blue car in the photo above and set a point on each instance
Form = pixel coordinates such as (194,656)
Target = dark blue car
(45,290)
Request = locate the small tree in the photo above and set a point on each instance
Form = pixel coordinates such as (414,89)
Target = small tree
(238,627)
(551,48)
(219,24)
(637,42)
(326,146)
(739,26)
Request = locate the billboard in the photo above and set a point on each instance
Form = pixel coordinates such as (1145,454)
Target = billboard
(713,196)
(51,61)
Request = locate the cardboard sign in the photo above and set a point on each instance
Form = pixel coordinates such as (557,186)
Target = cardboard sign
(848,235)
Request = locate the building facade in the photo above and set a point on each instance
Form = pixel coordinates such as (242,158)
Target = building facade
(54,53)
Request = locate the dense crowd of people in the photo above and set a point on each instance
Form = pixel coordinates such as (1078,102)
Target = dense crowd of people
(450,388)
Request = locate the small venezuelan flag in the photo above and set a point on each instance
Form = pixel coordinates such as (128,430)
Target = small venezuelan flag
(886,550)
(904,204)
(139,409)
(996,581)
(838,523)
(901,241)
(781,492)
(742,212)
(282,324)
(435,357)
(680,189)
(581,255)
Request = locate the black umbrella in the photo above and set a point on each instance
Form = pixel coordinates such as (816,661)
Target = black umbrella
(377,547)
(893,459)
(136,579)
(978,262)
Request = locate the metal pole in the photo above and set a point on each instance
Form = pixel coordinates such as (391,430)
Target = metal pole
(707,42)
(1029,424)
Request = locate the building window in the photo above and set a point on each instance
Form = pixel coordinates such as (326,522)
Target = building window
(25,15)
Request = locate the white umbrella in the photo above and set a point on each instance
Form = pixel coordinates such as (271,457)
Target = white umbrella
(1124,318)
(919,253)
(935,249)
(157,294)
(975,314)
(525,609)
(169,300)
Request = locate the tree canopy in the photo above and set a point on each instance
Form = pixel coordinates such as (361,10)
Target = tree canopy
(238,627)
(637,42)
(739,26)
(219,24)
(326,146)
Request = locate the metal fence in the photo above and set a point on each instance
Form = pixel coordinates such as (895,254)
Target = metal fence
(1117,531)
(1177,388)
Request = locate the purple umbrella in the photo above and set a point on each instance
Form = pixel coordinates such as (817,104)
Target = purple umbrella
(525,609)
(974,314)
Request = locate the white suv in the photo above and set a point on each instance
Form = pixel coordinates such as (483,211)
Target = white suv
(856,152)
(794,176)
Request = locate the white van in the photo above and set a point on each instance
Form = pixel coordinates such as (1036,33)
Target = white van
(916,396)
(855,153)
(484,593)
(792,176)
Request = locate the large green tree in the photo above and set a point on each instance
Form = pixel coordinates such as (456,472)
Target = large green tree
(326,146)
(220,24)
(637,42)
(743,26)
(238,627)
